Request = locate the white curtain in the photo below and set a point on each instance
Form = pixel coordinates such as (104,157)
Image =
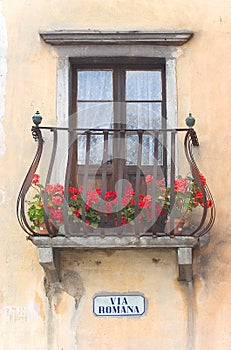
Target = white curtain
(94,110)
(143,96)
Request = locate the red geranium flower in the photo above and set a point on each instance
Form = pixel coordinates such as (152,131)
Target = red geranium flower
(209,203)
(110,195)
(199,195)
(98,191)
(180,185)
(58,188)
(35,180)
(76,213)
(57,200)
(148,179)
(203,179)
(125,201)
(129,192)
(49,188)
(72,190)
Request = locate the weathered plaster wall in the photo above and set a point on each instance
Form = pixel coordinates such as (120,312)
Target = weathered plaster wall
(178,316)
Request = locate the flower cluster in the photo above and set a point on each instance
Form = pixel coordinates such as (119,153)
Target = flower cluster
(94,206)
(116,209)
(53,196)
(187,196)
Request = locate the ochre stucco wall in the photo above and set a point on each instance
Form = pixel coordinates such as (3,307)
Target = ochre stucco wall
(179,316)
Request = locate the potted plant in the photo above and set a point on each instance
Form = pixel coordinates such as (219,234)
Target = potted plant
(54,201)
(187,197)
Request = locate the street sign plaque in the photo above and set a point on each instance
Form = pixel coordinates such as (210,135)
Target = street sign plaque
(119,305)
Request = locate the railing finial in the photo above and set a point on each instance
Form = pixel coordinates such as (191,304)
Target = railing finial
(37,118)
(190,120)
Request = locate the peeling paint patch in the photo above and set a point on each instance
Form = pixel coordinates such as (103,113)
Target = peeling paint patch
(14,314)
(3,73)
(37,306)
(2,197)
(22,314)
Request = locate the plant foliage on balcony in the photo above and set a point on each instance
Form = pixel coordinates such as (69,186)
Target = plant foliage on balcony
(92,206)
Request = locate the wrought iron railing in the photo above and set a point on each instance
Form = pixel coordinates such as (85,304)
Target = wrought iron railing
(141,158)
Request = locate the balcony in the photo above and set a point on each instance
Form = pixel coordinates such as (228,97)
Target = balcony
(120,188)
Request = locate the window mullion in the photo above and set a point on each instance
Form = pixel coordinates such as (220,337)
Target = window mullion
(119,96)
(119,121)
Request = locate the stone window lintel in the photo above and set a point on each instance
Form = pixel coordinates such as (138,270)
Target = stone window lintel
(97,37)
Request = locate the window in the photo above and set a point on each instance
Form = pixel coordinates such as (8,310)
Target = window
(75,46)
(116,94)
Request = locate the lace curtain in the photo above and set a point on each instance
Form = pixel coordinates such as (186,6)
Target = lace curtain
(95,109)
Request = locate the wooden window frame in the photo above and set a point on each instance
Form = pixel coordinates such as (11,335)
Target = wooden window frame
(119,66)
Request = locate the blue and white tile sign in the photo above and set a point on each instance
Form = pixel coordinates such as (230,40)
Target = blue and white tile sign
(119,305)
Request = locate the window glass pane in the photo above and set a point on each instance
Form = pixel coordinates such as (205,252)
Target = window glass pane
(97,148)
(144,115)
(148,149)
(94,115)
(143,85)
(95,85)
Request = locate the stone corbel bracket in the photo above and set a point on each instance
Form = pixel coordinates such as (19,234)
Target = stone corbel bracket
(185,262)
(49,260)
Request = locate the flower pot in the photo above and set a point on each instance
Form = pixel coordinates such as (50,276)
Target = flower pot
(42,230)
(178,226)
